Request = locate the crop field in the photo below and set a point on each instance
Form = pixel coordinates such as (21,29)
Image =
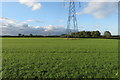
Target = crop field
(59,58)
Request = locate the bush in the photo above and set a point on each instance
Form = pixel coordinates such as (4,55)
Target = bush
(107,34)
(84,34)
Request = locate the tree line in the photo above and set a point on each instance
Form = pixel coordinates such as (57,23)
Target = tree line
(81,34)
(88,34)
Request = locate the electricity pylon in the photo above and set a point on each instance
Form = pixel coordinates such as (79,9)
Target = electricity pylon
(72,18)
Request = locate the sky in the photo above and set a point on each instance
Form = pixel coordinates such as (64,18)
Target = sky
(50,18)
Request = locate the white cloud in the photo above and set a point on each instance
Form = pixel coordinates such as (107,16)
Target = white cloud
(31,3)
(100,9)
(38,21)
(7,20)
(103,0)
(61,21)
(24,28)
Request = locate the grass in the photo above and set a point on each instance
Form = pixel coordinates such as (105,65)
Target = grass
(59,58)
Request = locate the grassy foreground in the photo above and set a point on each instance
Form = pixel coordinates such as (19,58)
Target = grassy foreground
(59,58)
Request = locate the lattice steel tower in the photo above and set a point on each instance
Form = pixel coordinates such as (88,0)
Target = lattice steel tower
(72,18)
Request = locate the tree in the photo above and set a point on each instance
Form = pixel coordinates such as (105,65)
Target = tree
(19,34)
(95,34)
(82,34)
(23,35)
(74,35)
(107,34)
(31,35)
(98,34)
(87,34)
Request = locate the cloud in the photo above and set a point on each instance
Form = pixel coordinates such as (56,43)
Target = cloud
(31,3)
(100,9)
(103,1)
(24,28)
(7,20)
(37,21)
(61,21)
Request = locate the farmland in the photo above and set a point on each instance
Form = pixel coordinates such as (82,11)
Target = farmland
(59,58)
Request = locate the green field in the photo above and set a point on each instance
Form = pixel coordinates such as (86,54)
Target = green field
(59,58)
